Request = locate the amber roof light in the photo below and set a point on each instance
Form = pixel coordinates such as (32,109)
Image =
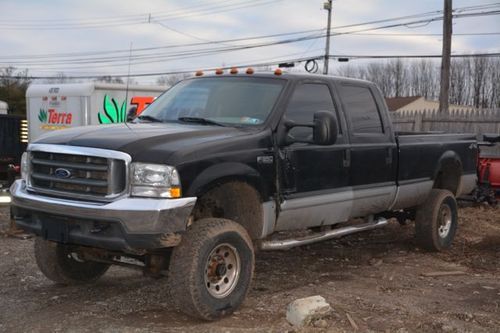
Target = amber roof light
(249,70)
(278,71)
(234,70)
(219,71)
(199,73)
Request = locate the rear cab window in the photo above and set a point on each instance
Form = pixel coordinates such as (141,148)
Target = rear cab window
(361,109)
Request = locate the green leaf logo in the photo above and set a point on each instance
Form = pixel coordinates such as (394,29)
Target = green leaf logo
(112,113)
(42,116)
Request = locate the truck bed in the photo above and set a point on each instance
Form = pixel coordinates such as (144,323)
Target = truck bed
(425,158)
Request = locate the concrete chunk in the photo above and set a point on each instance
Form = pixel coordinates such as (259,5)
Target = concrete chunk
(303,311)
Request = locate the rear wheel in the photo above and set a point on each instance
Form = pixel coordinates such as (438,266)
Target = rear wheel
(61,264)
(211,270)
(437,221)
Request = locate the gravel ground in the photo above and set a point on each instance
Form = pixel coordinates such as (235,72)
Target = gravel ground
(377,278)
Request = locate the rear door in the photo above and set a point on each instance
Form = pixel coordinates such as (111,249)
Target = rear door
(373,154)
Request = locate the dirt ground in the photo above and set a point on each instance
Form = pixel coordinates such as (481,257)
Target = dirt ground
(376,278)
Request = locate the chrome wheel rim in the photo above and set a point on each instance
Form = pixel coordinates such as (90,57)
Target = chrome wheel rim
(445,220)
(222,270)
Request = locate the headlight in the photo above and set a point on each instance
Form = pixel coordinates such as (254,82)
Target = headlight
(155,180)
(24,166)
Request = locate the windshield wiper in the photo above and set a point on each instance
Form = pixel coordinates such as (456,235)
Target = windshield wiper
(199,120)
(150,118)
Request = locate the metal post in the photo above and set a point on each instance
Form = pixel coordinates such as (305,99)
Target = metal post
(328,6)
(445,58)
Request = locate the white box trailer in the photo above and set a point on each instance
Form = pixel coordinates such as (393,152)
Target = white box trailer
(4,108)
(58,106)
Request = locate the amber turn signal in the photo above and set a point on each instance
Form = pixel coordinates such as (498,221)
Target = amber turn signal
(175,192)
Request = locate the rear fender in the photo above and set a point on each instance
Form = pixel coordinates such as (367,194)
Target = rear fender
(448,172)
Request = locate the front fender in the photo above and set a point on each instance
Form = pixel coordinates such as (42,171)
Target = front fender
(226,171)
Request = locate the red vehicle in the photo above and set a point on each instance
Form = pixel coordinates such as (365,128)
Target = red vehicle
(489,169)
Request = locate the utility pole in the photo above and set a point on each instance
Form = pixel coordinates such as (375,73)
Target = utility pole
(445,58)
(328,6)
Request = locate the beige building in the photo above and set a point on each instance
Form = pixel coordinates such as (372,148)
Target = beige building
(418,103)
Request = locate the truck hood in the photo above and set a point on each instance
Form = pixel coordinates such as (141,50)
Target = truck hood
(144,140)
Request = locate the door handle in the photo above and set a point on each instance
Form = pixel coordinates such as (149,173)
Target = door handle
(347,158)
(388,156)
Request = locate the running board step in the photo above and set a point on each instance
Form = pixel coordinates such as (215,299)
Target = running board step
(287,244)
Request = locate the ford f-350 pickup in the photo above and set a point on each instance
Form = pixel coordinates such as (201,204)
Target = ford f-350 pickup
(217,166)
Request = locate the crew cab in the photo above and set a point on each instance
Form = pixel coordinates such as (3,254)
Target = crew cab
(218,167)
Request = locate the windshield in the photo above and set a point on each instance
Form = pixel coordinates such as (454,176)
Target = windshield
(224,100)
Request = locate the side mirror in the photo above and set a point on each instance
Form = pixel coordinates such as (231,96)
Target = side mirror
(324,126)
(325,130)
(132,113)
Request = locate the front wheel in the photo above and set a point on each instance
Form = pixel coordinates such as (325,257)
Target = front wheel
(211,270)
(437,221)
(61,264)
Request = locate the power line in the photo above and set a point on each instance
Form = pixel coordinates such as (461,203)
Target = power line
(416,56)
(301,55)
(90,53)
(424,34)
(297,60)
(162,57)
(183,13)
(155,57)
(198,4)
(141,19)
(241,39)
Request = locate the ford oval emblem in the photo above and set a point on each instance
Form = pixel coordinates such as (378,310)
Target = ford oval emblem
(62,173)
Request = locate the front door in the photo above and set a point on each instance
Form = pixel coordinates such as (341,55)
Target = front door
(314,178)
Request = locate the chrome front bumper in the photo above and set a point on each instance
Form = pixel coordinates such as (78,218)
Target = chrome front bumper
(136,216)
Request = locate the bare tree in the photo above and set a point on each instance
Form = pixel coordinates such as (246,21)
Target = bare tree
(109,79)
(397,72)
(170,80)
(13,85)
(494,80)
(60,77)
(348,71)
(458,81)
(479,67)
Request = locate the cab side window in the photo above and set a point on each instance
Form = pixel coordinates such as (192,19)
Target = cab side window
(361,109)
(305,101)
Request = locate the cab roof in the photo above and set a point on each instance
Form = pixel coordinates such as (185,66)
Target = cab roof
(285,76)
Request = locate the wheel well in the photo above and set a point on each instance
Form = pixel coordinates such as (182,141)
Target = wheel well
(448,177)
(236,200)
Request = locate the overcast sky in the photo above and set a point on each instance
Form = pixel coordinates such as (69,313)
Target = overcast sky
(196,20)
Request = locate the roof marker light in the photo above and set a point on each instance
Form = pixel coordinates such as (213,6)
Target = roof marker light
(219,71)
(278,71)
(199,73)
(234,70)
(249,70)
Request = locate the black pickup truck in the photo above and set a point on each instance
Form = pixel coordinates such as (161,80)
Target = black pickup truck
(218,166)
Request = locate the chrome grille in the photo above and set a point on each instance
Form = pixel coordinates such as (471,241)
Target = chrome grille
(70,175)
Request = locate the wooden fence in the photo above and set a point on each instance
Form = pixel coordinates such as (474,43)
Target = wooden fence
(454,121)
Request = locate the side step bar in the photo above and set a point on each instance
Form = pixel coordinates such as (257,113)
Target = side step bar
(287,244)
